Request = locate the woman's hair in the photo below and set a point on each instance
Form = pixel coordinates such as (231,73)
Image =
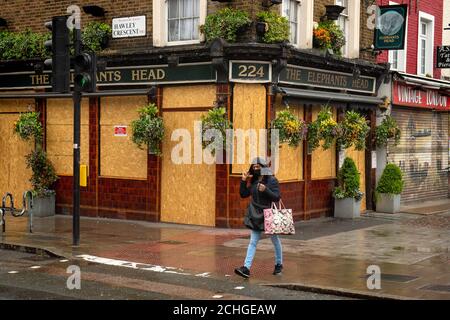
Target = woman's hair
(251,171)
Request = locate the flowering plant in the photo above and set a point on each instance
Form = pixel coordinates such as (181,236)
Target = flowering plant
(148,130)
(388,130)
(28,126)
(328,35)
(291,129)
(353,131)
(324,129)
(215,119)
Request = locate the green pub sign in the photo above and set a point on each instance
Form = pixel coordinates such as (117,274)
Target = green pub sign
(390,27)
(250,71)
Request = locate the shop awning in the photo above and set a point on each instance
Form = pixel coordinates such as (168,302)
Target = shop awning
(330,96)
(428,83)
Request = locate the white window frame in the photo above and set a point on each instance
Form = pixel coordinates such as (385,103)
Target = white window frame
(160,24)
(401,54)
(346,17)
(283,7)
(429,68)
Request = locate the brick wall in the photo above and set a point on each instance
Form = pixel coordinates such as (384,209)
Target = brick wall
(433,7)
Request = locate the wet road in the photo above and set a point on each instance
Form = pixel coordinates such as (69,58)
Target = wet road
(26,276)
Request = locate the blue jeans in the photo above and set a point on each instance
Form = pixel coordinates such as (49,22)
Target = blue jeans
(254,238)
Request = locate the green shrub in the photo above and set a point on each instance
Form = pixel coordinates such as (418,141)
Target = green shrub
(391,181)
(23,45)
(278,27)
(148,130)
(348,181)
(224,24)
(44,174)
(95,36)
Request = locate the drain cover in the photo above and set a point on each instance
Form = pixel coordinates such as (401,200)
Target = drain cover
(437,287)
(395,277)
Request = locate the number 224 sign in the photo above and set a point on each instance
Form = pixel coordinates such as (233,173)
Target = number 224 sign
(250,71)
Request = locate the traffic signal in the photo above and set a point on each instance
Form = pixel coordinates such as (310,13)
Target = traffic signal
(86,72)
(60,61)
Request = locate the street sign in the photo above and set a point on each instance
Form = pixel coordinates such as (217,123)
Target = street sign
(443,57)
(391,27)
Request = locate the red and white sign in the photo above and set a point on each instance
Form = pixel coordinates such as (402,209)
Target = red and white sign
(407,95)
(120,131)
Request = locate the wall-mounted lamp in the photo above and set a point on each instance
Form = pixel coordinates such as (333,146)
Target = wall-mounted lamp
(3,22)
(95,11)
(269,3)
(332,12)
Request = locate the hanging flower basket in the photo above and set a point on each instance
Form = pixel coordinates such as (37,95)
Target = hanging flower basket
(214,128)
(148,130)
(388,129)
(328,35)
(292,130)
(324,129)
(353,131)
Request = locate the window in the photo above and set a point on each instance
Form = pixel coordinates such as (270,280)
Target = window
(425,46)
(177,22)
(183,18)
(290,11)
(397,58)
(343,23)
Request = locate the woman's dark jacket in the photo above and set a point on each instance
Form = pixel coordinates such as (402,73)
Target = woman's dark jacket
(260,200)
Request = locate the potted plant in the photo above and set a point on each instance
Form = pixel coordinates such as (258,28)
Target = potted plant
(328,35)
(225,24)
(217,121)
(388,129)
(389,189)
(148,130)
(347,203)
(28,127)
(275,27)
(290,128)
(353,131)
(324,129)
(96,35)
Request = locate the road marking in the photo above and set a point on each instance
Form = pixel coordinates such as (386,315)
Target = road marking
(217,296)
(135,265)
(64,260)
(35,267)
(239,288)
(13,272)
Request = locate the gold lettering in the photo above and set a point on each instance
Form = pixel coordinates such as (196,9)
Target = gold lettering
(117,76)
(161,74)
(135,75)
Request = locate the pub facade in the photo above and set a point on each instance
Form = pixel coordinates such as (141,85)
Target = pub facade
(185,79)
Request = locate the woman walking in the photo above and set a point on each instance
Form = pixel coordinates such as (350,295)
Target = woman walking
(263,189)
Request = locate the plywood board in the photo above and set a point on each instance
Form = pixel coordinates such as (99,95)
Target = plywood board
(189,96)
(17,105)
(323,162)
(291,159)
(249,113)
(119,156)
(15,176)
(360,160)
(187,190)
(60,134)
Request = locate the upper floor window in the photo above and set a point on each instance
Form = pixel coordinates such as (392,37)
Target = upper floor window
(177,22)
(343,22)
(291,11)
(426,44)
(183,20)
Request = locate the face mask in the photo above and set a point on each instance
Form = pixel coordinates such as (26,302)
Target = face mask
(257,173)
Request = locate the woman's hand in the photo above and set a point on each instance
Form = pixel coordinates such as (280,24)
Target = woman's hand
(261,187)
(245,175)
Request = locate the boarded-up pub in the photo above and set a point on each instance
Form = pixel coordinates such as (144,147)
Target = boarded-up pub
(251,80)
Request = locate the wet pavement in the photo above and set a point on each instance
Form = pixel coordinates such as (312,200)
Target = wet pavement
(329,255)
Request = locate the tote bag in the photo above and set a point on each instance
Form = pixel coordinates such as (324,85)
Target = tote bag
(278,220)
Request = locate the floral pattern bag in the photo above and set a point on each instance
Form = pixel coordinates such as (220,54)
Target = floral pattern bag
(278,220)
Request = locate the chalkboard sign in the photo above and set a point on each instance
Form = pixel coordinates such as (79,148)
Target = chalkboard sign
(443,57)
